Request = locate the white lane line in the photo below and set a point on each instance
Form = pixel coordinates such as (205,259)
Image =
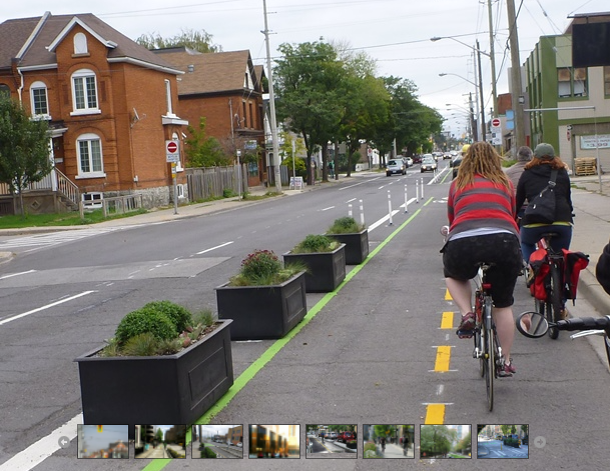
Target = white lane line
(381,221)
(42,308)
(42,449)
(408,203)
(16,274)
(216,247)
(349,201)
(359,183)
(326,209)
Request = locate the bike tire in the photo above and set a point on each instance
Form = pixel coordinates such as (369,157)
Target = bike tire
(482,348)
(489,356)
(555,301)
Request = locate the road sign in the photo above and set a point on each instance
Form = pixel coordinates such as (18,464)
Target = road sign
(172,151)
(496,122)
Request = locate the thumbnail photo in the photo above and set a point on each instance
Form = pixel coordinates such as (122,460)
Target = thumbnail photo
(503,441)
(388,441)
(331,441)
(274,441)
(159,441)
(445,441)
(102,441)
(217,441)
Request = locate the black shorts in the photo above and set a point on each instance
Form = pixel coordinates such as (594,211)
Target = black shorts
(462,258)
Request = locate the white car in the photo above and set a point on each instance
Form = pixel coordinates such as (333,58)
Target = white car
(395,166)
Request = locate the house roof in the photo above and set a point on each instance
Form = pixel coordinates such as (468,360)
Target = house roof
(208,72)
(35,53)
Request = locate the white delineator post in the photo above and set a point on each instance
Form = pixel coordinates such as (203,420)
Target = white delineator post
(405,197)
(362,213)
(350,210)
(389,209)
(421,188)
(417,193)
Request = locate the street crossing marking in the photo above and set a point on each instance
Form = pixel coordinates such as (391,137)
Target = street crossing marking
(55,238)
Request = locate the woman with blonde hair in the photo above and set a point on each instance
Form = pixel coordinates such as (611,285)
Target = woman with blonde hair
(481,213)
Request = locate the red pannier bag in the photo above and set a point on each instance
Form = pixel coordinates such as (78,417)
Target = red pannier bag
(540,268)
(575,262)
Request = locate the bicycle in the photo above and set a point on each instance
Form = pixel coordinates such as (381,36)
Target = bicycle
(486,343)
(552,307)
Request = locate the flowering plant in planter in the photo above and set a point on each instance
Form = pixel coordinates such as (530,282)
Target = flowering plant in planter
(263,268)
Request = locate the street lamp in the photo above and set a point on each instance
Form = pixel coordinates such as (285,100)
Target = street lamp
(483,123)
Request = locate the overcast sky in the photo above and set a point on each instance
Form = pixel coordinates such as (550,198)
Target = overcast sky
(394,32)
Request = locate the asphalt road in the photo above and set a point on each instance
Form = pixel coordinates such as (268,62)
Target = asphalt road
(496,449)
(367,356)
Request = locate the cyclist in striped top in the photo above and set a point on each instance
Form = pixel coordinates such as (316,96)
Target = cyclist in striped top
(483,229)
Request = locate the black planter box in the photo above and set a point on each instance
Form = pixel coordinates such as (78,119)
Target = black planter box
(166,389)
(263,312)
(356,246)
(326,270)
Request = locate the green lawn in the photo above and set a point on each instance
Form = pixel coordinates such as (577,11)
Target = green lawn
(63,219)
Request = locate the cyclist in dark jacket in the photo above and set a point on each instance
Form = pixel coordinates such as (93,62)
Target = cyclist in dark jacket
(532,181)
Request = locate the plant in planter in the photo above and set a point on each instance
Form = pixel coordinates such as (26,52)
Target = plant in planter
(324,258)
(265,300)
(161,367)
(355,237)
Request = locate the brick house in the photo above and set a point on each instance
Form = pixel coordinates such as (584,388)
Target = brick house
(226,89)
(108,100)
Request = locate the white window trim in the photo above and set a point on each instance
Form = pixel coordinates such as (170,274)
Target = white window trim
(37,116)
(80,40)
(92,202)
(81,174)
(82,74)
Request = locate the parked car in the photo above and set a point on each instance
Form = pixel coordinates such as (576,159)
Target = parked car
(333,435)
(240,445)
(454,163)
(428,165)
(345,436)
(395,166)
(525,440)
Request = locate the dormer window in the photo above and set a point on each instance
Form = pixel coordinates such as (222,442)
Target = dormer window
(38,98)
(80,43)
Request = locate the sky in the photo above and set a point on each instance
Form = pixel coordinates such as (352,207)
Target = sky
(396,33)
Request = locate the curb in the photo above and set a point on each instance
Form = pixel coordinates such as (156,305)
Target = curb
(594,293)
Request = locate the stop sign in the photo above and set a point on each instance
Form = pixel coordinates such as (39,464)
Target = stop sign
(496,122)
(171,147)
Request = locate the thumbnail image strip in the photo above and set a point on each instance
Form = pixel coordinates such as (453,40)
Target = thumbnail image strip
(217,441)
(274,441)
(388,441)
(102,441)
(503,441)
(159,441)
(331,441)
(445,441)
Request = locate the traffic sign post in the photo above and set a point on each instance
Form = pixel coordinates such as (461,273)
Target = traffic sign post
(172,151)
(496,122)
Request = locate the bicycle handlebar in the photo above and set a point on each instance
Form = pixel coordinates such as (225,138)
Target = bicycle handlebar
(585,323)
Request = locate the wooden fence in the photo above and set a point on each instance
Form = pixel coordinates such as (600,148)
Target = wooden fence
(210,182)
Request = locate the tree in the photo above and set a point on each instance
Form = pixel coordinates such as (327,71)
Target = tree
(159,435)
(24,149)
(436,439)
(505,429)
(197,40)
(307,81)
(203,151)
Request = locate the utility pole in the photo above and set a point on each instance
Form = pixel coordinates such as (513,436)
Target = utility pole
(477,45)
(517,96)
(272,103)
(493,68)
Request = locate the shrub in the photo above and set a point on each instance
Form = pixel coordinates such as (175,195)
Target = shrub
(142,321)
(345,225)
(207,453)
(141,345)
(179,315)
(316,243)
(263,268)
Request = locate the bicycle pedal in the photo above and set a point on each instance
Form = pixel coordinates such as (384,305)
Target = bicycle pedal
(464,334)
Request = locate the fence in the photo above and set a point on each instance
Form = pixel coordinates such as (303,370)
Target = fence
(210,182)
(115,205)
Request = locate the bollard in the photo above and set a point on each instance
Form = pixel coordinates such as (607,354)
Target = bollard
(362,213)
(421,188)
(350,210)
(389,209)
(406,198)
(417,193)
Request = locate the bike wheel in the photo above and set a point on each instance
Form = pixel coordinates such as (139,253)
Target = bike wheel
(490,358)
(481,341)
(555,303)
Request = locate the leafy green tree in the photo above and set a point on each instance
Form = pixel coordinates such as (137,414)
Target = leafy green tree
(24,149)
(308,79)
(505,429)
(436,439)
(464,444)
(200,41)
(525,429)
(513,429)
(159,435)
(203,151)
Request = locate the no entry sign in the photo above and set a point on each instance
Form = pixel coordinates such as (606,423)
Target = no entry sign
(172,151)
(496,123)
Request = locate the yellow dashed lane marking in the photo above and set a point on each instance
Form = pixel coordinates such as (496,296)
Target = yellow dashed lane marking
(447,297)
(435,414)
(442,361)
(447,320)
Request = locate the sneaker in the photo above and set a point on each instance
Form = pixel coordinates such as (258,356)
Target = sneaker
(507,370)
(467,326)
(564,314)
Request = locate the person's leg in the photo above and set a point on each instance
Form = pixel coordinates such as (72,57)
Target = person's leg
(504,320)
(563,241)
(461,291)
(528,238)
